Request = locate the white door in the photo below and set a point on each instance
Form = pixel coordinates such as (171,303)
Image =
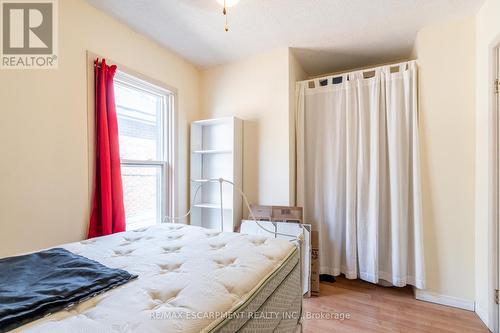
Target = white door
(497,245)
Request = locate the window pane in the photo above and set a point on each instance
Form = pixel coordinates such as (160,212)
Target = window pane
(142,193)
(139,123)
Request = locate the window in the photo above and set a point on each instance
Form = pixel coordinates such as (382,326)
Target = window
(145,126)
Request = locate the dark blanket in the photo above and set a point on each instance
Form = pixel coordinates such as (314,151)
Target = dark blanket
(37,284)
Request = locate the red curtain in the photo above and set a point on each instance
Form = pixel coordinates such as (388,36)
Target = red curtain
(108,213)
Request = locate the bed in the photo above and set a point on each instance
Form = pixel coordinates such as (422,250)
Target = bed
(191,279)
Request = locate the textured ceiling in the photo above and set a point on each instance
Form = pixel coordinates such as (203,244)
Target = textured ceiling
(326,35)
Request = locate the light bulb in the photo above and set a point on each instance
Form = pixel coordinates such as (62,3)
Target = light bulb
(229,3)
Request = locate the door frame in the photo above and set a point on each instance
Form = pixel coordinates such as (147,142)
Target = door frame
(494,188)
(495,110)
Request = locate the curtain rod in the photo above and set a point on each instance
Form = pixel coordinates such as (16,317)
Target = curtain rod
(366,68)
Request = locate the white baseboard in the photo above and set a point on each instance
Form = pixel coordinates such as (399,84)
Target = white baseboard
(483,315)
(429,296)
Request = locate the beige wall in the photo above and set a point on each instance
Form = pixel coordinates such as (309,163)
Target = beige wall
(43,132)
(487,36)
(257,91)
(296,73)
(446,61)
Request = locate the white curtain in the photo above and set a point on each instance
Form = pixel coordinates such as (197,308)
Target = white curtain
(358,173)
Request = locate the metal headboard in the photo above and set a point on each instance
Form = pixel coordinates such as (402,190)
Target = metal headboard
(298,240)
(221,181)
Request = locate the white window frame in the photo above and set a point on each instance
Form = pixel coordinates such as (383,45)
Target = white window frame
(167,191)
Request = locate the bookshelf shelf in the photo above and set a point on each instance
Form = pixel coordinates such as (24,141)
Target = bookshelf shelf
(216,152)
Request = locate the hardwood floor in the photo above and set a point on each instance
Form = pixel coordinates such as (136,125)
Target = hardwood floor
(377,309)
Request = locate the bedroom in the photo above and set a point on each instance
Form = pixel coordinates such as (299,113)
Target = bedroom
(179,52)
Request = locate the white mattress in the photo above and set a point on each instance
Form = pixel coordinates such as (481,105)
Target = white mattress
(188,278)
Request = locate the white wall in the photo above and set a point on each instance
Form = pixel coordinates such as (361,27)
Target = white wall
(44,191)
(446,61)
(257,91)
(487,36)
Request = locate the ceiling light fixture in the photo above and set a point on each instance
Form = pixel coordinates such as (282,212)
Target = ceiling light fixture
(226,4)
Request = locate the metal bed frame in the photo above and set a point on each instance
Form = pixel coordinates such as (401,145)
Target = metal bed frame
(296,240)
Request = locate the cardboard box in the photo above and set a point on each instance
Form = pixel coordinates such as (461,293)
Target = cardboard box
(277,213)
(287,214)
(263,213)
(314,263)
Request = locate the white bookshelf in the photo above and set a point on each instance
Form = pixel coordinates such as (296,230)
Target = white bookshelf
(216,152)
